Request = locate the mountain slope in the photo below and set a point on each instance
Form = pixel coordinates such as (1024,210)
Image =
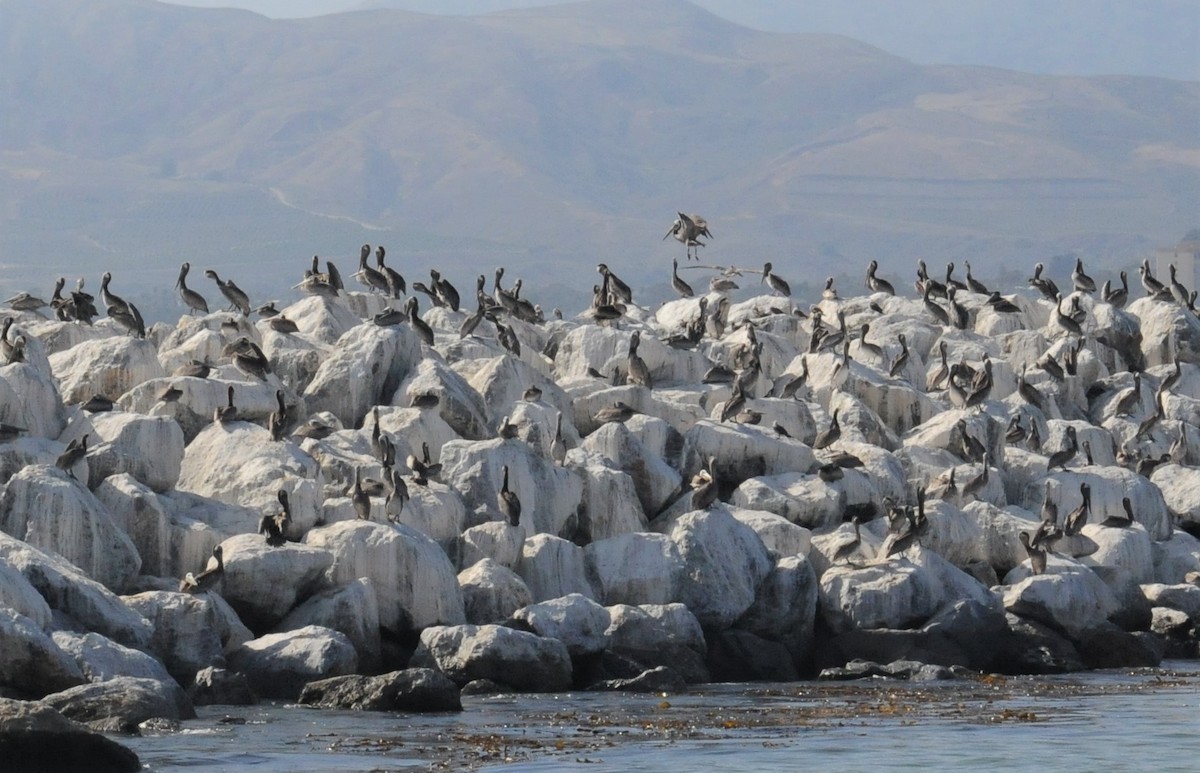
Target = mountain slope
(556,137)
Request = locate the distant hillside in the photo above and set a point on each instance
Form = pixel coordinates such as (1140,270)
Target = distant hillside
(136,135)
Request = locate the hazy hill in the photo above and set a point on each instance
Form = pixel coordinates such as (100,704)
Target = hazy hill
(135,135)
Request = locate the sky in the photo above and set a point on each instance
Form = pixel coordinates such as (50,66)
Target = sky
(1063,37)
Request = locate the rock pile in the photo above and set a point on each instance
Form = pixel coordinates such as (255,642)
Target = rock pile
(388,506)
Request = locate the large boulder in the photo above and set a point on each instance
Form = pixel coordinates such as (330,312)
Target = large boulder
(36,738)
(150,448)
(415,583)
(263,583)
(352,609)
(491,592)
(724,562)
(107,366)
(278,665)
(100,658)
(1069,597)
(638,568)
(50,510)
(368,363)
(575,620)
(553,567)
(30,661)
(186,634)
(523,661)
(122,703)
(411,690)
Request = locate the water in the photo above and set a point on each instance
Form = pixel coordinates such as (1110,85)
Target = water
(1123,720)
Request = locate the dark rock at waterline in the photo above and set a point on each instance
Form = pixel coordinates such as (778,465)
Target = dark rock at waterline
(660,679)
(910,670)
(740,656)
(483,687)
(972,627)
(413,689)
(35,738)
(1033,648)
(886,645)
(219,687)
(1107,646)
(524,661)
(121,704)
(279,665)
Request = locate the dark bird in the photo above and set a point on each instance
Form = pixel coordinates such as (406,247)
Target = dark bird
(223,414)
(359,498)
(193,369)
(973,284)
(420,326)
(775,282)
(395,281)
(1079,516)
(704,487)
(1036,555)
(372,278)
(683,288)
(1118,296)
(687,230)
(275,526)
(1001,304)
(850,546)
(238,300)
(829,436)
(76,450)
(876,284)
(639,372)
(618,411)
(1120,522)
(208,579)
(193,300)
(444,290)
(1045,286)
(1060,458)
(1081,281)
(510,505)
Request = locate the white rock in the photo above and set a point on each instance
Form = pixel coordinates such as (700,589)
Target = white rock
(52,511)
(30,661)
(186,637)
(30,399)
(101,659)
(19,595)
(108,366)
(1127,549)
(350,609)
(521,660)
(639,568)
(743,451)
(278,665)
(459,405)
(575,620)
(1183,596)
(1181,490)
(653,627)
(150,448)
(610,499)
(263,583)
(491,592)
(367,365)
(1069,596)
(654,480)
(415,583)
(495,540)
(1176,557)
(552,567)
(780,536)
(724,563)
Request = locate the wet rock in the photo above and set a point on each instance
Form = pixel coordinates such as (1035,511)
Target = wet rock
(740,656)
(660,679)
(30,661)
(350,609)
(523,661)
(35,738)
(101,659)
(491,593)
(122,703)
(216,686)
(417,690)
(186,637)
(278,665)
(1107,646)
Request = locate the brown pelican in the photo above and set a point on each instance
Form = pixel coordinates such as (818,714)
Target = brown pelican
(683,288)
(532,394)
(420,326)
(973,284)
(687,230)
(238,300)
(957,313)
(1129,399)
(510,505)
(558,446)
(76,450)
(639,372)
(281,324)
(925,282)
(25,302)
(470,323)
(775,282)
(1016,432)
(829,436)
(314,429)
(1117,297)
(1079,516)
(935,379)
(206,580)
(1154,288)
(248,358)
(171,394)
(193,369)
(278,420)
(976,484)
(1045,286)
(507,337)
(1060,458)
(193,300)
(865,345)
(874,283)
(618,411)
(1028,392)
(366,275)
(267,310)
(97,403)
(613,286)
(223,414)
(704,486)
(1001,304)
(444,290)
(395,281)
(1081,281)
(275,526)
(1036,555)
(940,315)
(359,498)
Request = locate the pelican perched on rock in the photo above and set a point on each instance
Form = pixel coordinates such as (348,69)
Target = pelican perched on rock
(224,414)
(775,282)
(1035,554)
(639,372)
(509,503)
(372,278)
(874,283)
(1081,281)
(687,230)
(274,526)
(394,279)
(208,579)
(683,288)
(1043,285)
(238,300)
(75,451)
(193,300)
(618,411)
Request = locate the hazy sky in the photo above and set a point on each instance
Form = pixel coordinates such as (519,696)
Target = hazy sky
(1084,37)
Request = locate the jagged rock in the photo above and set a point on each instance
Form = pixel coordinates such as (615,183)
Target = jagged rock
(1185,597)
(1033,648)
(780,536)
(553,567)
(350,609)
(653,479)
(108,366)
(575,620)
(69,591)
(263,583)
(724,562)
(459,405)
(412,690)
(899,593)
(743,451)
(497,541)
(1167,330)
(52,511)
(1069,597)
(216,686)
(524,661)
(150,448)
(368,363)
(122,703)
(238,463)
(660,635)
(785,605)
(36,738)
(491,592)
(1107,646)
(100,659)
(501,382)
(610,499)
(548,494)
(21,597)
(278,665)
(639,568)
(741,656)
(29,399)
(186,636)
(801,498)
(30,661)
(415,583)
(1109,485)
(1170,622)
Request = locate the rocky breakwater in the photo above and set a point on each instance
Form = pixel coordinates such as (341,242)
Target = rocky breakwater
(360,505)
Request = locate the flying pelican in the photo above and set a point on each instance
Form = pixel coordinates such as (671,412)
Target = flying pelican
(687,230)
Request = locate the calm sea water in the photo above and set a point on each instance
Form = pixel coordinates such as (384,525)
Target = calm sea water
(1116,720)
